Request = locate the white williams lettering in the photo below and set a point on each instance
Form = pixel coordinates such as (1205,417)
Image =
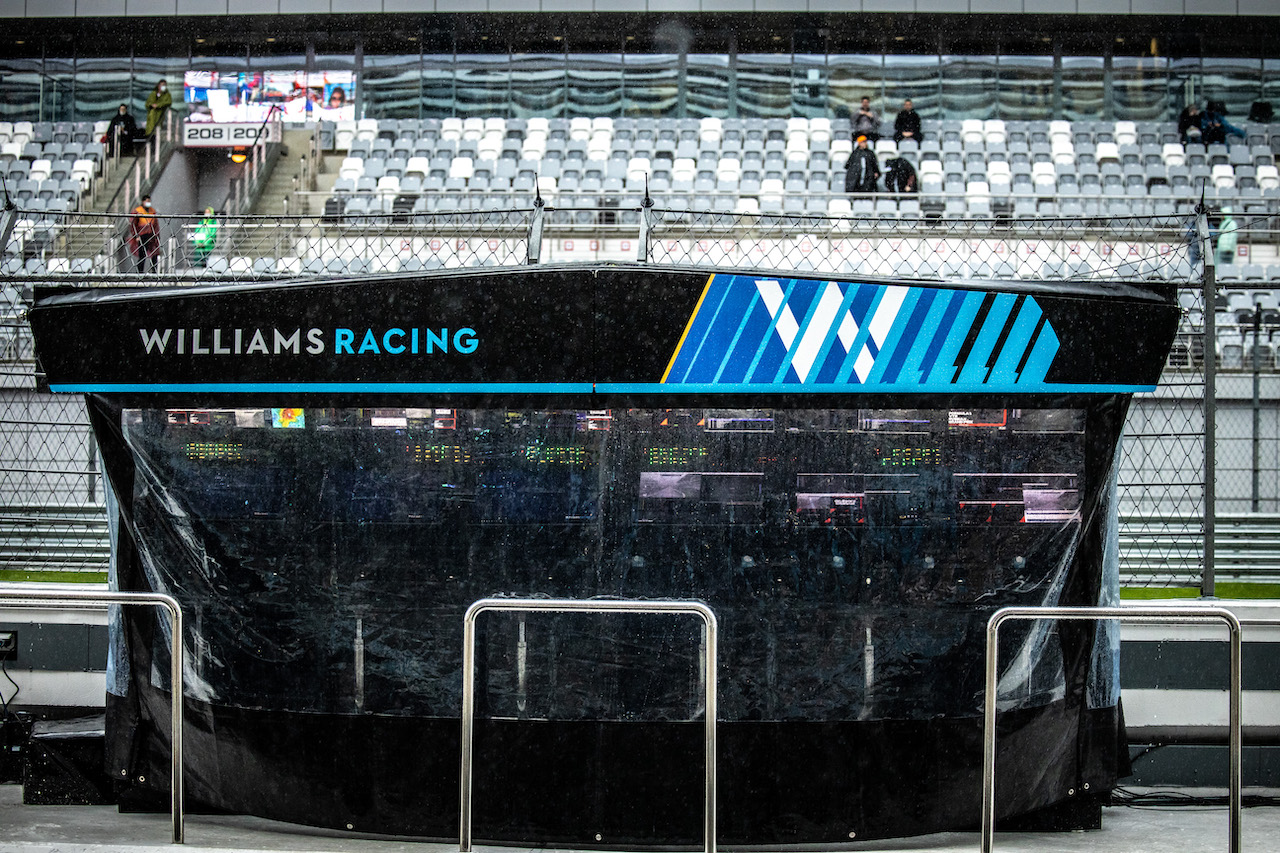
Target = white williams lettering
(237,342)
(153,340)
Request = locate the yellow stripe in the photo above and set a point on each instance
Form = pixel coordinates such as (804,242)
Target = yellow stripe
(706,288)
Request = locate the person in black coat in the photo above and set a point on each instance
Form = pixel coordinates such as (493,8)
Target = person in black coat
(128,130)
(1189,124)
(907,124)
(862,169)
(900,176)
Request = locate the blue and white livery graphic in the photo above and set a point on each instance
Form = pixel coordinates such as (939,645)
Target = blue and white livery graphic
(774,334)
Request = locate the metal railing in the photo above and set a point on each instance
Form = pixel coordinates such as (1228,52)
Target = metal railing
(564,605)
(1181,614)
(75,599)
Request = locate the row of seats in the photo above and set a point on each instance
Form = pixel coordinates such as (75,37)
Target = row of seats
(33,151)
(23,132)
(991,159)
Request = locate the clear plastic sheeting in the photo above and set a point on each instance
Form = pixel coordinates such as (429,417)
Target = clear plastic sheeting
(324,557)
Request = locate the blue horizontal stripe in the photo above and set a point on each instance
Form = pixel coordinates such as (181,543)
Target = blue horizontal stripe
(856,388)
(598,388)
(326,387)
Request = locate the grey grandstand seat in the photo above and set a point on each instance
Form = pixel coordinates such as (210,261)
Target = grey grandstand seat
(217,265)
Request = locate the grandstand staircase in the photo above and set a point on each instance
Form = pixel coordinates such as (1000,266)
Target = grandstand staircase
(90,239)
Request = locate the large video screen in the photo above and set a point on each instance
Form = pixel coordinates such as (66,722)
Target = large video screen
(250,96)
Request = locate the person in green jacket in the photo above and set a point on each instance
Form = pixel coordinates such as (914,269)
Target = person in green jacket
(204,238)
(158,103)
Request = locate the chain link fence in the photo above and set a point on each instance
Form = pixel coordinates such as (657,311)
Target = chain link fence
(51,514)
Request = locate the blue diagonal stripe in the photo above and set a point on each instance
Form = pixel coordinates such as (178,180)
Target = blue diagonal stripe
(703,322)
(943,371)
(1015,346)
(974,370)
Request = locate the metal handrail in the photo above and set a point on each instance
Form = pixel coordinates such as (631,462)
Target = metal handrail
(1133,614)
(75,599)
(566,605)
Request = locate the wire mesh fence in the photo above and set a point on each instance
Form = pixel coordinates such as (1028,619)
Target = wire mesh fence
(1162,472)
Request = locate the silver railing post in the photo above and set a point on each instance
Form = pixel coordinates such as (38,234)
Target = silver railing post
(23,597)
(567,605)
(1166,615)
(1209,288)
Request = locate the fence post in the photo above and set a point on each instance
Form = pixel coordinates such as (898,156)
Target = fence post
(535,230)
(1255,497)
(1209,292)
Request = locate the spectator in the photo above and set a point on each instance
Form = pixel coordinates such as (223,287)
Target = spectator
(158,103)
(1189,124)
(1214,127)
(900,176)
(907,124)
(1227,238)
(204,238)
(123,128)
(144,236)
(866,122)
(862,169)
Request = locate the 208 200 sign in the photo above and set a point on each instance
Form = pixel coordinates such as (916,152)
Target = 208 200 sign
(228,134)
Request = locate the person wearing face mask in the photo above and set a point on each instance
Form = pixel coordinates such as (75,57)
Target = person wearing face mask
(122,128)
(144,236)
(158,103)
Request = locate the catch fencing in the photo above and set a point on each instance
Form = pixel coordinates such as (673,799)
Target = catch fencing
(51,512)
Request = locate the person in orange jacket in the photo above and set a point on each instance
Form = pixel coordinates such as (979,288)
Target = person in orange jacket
(144,236)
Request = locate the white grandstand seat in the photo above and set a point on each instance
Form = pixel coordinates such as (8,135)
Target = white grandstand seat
(11,151)
(602,123)
(1126,133)
(971,131)
(367,129)
(1223,176)
(993,132)
(747,206)
(580,128)
(1268,177)
(472,128)
(819,130)
(40,170)
(841,148)
(978,190)
(495,124)
(638,168)
(83,171)
(451,128)
(344,134)
(389,185)
(462,167)
(1060,129)
(886,147)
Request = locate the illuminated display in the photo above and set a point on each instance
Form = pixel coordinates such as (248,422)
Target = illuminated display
(673,456)
(438,454)
(558,455)
(221,451)
(908,457)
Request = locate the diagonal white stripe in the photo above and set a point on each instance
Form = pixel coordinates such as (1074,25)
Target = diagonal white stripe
(848,331)
(863,365)
(887,312)
(771,293)
(816,332)
(788,328)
